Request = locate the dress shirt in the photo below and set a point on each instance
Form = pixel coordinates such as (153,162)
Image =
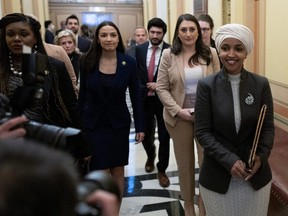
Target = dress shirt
(157,55)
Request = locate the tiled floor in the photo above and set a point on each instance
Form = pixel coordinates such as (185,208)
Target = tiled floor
(143,196)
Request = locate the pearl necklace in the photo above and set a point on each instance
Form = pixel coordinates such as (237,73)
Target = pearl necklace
(15,72)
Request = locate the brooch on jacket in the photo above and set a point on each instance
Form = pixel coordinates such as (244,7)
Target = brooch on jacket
(249,99)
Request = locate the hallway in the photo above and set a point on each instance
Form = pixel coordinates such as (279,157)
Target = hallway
(143,195)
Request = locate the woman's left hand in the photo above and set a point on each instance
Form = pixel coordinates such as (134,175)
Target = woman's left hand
(139,137)
(186,114)
(256,166)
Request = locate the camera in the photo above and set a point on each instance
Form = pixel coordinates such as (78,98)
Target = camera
(66,139)
(34,71)
(70,140)
(93,181)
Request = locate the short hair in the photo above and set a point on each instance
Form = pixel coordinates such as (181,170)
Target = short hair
(206,18)
(140,27)
(73,16)
(65,33)
(47,23)
(84,26)
(36,180)
(157,22)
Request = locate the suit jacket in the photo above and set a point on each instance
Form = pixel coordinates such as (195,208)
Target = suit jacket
(171,82)
(131,50)
(93,103)
(49,37)
(216,132)
(141,54)
(68,96)
(58,52)
(75,62)
(83,44)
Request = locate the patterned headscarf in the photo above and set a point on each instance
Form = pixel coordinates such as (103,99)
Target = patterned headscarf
(236,31)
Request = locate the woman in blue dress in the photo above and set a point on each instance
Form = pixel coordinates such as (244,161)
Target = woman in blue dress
(105,74)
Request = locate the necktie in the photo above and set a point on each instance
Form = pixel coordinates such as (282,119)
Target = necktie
(152,65)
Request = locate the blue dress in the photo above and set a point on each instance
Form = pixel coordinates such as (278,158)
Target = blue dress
(106,119)
(110,147)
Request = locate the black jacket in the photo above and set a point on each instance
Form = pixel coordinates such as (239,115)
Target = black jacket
(216,132)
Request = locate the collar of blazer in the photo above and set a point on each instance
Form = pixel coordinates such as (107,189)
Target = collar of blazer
(224,75)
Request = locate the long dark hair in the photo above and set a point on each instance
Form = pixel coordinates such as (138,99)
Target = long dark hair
(202,51)
(92,57)
(5,63)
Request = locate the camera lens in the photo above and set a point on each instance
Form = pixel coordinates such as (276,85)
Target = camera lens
(93,181)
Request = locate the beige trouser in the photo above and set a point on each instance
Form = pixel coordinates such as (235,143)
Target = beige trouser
(182,135)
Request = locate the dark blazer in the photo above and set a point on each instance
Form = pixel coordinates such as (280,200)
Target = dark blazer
(83,44)
(68,97)
(93,102)
(75,62)
(131,50)
(141,54)
(216,132)
(49,37)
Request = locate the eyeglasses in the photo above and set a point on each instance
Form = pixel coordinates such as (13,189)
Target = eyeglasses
(205,29)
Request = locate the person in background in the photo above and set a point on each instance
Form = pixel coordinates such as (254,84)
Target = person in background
(105,74)
(59,53)
(38,180)
(86,32)
(181,66)
(140,36)
(72,23)
(67,40)
(62,27)
(227,107)
(207,25)
(130,42)
(49,31)
(58,105)
(148,57)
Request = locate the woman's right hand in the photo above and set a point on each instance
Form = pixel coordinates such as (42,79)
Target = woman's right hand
(186,114)
(238,170)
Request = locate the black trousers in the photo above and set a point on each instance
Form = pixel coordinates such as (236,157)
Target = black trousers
(153,109)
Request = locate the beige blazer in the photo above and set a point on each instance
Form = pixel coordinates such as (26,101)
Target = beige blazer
(59,53)
(170,82)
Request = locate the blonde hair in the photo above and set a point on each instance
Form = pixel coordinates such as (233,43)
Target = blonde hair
(65,33)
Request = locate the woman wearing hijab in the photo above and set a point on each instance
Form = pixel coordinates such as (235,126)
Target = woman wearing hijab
(227,108)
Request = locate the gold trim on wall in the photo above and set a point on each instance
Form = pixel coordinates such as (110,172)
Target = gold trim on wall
(200,7)
(226,11)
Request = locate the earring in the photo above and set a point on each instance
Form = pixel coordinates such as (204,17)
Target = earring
(35,48)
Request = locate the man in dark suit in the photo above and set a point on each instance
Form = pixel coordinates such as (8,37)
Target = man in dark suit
(49,32)
(145,54)
(140,36)
(62,27)
(72,23)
